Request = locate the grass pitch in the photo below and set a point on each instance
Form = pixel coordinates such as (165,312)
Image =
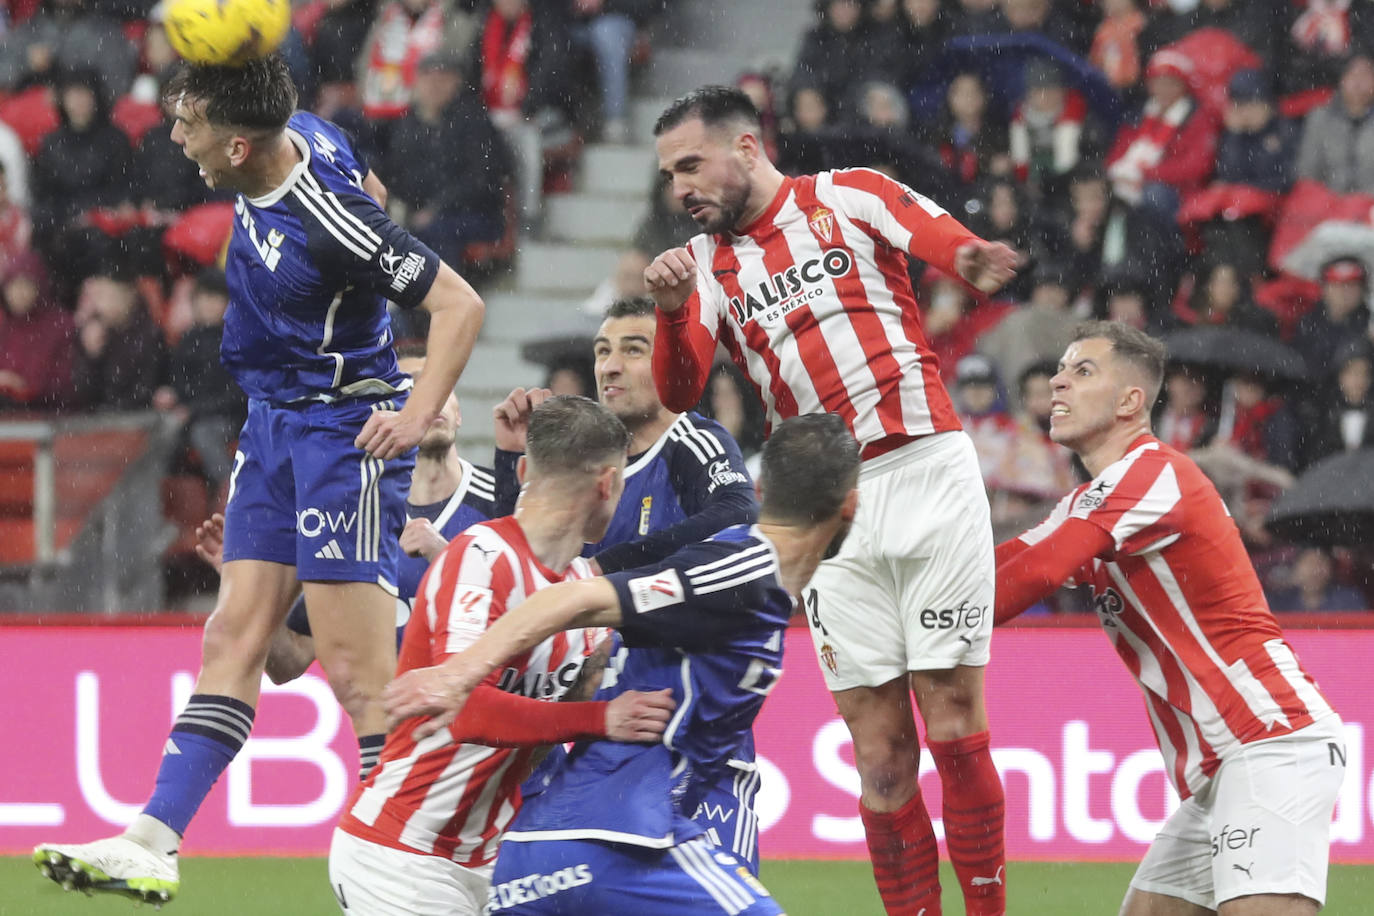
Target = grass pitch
(299,887)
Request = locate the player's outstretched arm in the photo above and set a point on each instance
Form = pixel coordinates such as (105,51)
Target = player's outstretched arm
(440,691)
(1031,573)
(456,313)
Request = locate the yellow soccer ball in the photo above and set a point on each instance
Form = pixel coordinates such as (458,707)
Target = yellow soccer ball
(226,32)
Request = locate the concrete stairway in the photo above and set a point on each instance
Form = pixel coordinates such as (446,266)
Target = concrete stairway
(697,42)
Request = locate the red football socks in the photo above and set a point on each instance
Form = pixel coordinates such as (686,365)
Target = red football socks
(974,812)
(906,859)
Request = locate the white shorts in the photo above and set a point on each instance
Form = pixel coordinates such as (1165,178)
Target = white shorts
(1262,826)
(912,587)
(373,880)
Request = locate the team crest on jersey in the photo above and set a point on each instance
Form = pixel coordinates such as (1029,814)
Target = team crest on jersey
(822,223)
(828,658)
(646,506)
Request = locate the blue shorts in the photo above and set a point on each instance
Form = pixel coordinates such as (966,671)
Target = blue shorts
(302,494)
(726,812)
(574,877)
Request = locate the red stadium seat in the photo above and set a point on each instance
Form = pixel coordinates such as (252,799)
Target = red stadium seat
(200,233)
(135,118)
(32,114)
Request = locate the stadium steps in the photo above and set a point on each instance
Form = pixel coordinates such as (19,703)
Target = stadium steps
(565,268)
(594,217)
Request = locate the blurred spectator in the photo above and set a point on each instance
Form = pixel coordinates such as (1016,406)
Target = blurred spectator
(36,338)
(1185,420)
(572,375)
(1343,420)
(16,229)
(339,38)
(971,142)
(120,356)
(404,34)
(983,413)
(1258,146)
(731,402)
(955,317)
(609,27)
(1320,37)
(85,163)
(759,87)
(1039,17)
(1037,331)
(1221,296)
(1342,315)
(65,35)
(14,166)
(1125,299)
(199,391)
(883,130)
(446,164)
(163,179)
(520,65)
(1338,138)
(1250,21)
(836,54)
(1314,588)
(978,17)
(1169,151)
(1043,468)
(907,42)
(1005,216)
(1047,130)
(1115,47)
(1260,424)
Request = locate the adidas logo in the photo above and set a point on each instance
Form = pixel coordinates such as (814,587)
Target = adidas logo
(330,551)
(170,747)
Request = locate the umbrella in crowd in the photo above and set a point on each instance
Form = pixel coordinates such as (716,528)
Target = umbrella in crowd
(1230,350)
(1332,503)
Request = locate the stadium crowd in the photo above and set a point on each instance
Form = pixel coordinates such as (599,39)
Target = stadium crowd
(1174,165)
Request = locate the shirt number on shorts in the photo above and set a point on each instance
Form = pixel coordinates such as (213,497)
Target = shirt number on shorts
(812,598)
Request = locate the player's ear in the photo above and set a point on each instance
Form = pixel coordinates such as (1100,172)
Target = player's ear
(239,149)
(521,469)
(1132,401)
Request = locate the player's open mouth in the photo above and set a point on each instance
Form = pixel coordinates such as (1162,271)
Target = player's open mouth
(612,390)
(1059,410)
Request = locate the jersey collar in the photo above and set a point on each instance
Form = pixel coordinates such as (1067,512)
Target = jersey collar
(646,457)
(765,219)
(456,499)
(271,197)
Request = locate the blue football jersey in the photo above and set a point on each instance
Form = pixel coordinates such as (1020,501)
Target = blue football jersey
(707,623)
(310,267)
(695,469)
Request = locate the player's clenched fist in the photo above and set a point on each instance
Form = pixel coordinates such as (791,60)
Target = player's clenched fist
(636,716)
(512,417)
(420,538)
(988,266)
(671,278)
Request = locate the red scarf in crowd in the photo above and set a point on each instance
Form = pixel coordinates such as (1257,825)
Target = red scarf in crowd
(505,53)
(399,44)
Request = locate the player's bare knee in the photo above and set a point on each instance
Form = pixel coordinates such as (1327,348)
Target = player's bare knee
(888,767)
(230,641)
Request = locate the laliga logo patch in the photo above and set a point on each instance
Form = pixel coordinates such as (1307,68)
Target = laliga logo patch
(652,592)
(822,223)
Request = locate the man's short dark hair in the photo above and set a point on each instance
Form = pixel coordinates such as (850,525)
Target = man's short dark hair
(1135,347)
(569,434)
(714,105)
(810,463)
(260,95)
(630,307)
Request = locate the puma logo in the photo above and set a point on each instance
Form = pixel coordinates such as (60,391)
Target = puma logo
(978,881)
(484,551)
(1244,868)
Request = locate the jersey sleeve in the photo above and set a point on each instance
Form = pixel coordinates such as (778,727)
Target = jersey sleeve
(685,342)
(699,597)
(706,470)
(1136,501)
(893,212)
(363,248)
(463,593)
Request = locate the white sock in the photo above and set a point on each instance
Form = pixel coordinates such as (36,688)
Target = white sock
(154,834)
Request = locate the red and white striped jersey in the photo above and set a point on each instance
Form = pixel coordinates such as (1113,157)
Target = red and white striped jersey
(1182,605)
(814,303)
(438,796)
